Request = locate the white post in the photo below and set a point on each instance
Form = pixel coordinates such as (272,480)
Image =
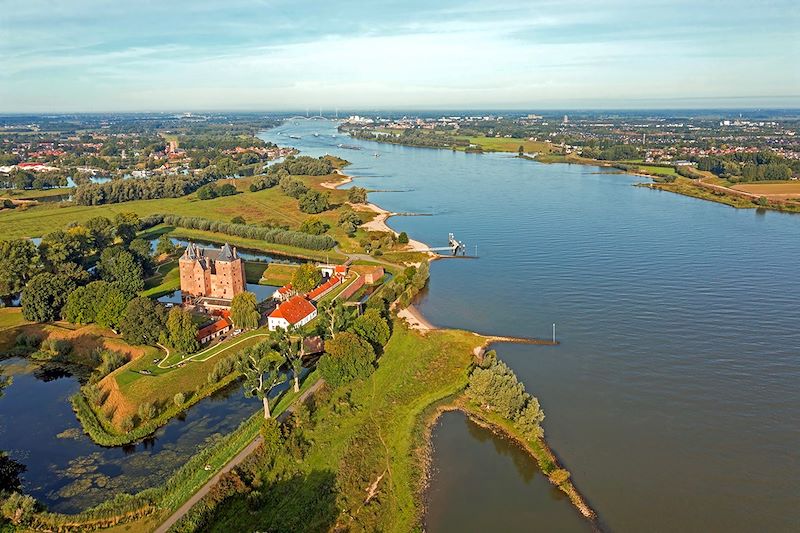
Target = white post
(554,333)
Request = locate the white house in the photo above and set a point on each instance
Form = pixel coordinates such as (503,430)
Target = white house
(297,311)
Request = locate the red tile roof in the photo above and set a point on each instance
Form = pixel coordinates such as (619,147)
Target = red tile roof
(219,325)
(286,289)
(294,310)
(322,289)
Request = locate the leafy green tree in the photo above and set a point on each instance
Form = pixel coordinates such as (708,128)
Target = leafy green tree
(142,252)
(227,189)
(289,343)
(402,238)
(101,232)
(181,333)
(126,225)
(357,195)
(44,296)
(238,220)
(496,388)
(314,202)
(60,247)
(292,187)
(333,318)
(19,262)
(529,420)
(260,366)
(347,357)
(372,327)
(306,277)
(314,226)
(244,310)
(111,308)
(164,245)
(143,322)
(119,266)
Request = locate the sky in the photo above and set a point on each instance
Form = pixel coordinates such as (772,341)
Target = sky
(176,55)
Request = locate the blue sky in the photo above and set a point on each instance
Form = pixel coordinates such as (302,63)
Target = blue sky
(80,55)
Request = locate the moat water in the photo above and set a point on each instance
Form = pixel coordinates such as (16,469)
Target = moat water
(673,397)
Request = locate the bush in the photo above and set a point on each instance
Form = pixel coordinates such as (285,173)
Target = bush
(347,357)
(402,238)
(179,399)
(127,424)
(559,476)
(147,411)
(18,509)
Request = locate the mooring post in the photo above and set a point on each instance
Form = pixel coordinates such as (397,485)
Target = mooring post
(554,333)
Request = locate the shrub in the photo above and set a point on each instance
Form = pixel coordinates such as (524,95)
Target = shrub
(347,357)
(18,508)
(179,399)
(147,411)
(127,424)
(559,476)
(402,238)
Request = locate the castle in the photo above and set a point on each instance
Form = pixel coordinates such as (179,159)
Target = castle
(211,273)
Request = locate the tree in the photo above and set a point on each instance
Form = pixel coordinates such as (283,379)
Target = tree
(60,247)
(357,195)
(164,245)
(181,333)
(101,232)
(521,150)
(119,266)
(126,225)
(306,277)
(19,262)
(334,318)
(244,310)
(314,202)
(372,327)
(238,220)
(347,357)
(44,296)
(143,321)
(314,226)
(111,308)
(289,343)
(260,366)
(402,238)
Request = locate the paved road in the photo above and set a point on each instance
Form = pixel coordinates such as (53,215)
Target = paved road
(241,456)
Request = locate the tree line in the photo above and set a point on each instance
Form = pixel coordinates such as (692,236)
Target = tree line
(249,231)
(126,190)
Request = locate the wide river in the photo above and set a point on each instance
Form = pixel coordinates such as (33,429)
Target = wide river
(674,396)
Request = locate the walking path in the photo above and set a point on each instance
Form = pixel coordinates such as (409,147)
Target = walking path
(195,357)
(230,465)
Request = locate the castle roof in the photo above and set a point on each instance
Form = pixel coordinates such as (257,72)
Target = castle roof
(226,253)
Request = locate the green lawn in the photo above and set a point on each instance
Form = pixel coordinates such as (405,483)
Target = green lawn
(164,281)
(11,317)
(277,274)
(661,171)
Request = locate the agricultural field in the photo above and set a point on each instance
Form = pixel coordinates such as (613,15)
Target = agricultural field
(786,189)
(509,144)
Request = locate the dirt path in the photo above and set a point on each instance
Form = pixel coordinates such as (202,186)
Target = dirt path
(230,465)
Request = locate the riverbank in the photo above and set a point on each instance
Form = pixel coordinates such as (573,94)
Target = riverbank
(378,223)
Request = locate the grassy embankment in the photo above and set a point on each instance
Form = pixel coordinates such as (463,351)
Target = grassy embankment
(508,144)
(34,194)
(277,274)
(369,436)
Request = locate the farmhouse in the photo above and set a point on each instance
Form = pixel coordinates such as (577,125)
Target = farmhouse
(212,331)
(297,311)
(211,273)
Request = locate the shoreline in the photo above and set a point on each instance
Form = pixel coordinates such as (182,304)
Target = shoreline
(415,320)
(382,215)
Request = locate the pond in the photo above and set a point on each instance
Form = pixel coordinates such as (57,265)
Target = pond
(67,471)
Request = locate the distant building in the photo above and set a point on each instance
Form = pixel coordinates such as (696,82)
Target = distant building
(210,273)
(373,275)
(297,311)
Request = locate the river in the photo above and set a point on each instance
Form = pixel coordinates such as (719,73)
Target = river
(673,395)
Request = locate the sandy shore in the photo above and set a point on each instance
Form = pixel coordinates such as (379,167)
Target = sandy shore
(336,184)
(415,319)
(379,224)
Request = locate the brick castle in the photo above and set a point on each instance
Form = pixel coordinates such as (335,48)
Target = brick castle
(211,273)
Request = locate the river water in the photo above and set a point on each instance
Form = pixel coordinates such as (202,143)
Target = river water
(673,397)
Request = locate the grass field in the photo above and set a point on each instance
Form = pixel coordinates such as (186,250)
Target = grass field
(164,281)
(269,206)
(371,435)
(277,274)
(33,194)
(660,171)
(509,144)
(11,317)
(787,188)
